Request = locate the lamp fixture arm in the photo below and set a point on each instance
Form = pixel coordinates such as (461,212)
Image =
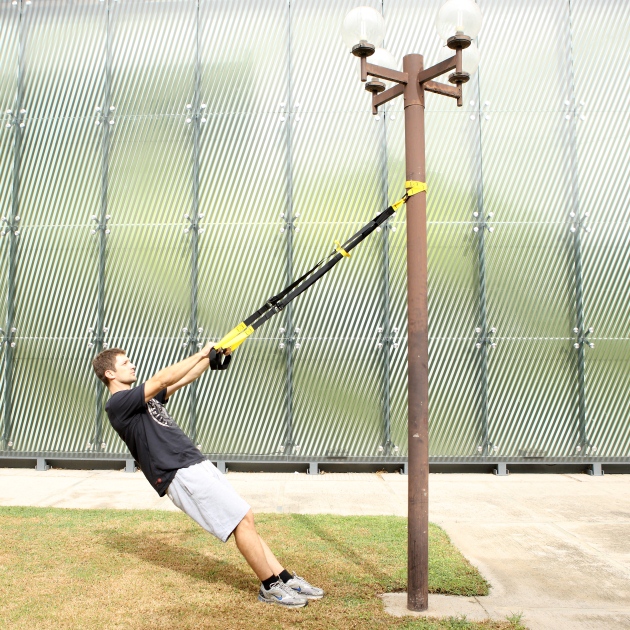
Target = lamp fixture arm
(381,73)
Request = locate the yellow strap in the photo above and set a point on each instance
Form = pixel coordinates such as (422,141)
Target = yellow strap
(341,250)
(413,188)
(231,335)
(235,342)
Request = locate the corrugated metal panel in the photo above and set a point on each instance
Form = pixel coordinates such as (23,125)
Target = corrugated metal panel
(64,57)
(153,56)
(244,55)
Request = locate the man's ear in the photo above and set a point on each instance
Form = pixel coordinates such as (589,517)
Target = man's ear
(110,375)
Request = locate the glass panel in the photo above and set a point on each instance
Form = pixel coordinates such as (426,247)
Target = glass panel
(608,397)
(600,54)
(153,48)
(526,166)
(53,395)
(525,49)
(337,398)
(64,58)
(337,167)
(604,166)
(242,410)
(60,173)
(240,267)
(246,73)
(531,280)
(533,398)
(325,76)
(243,169)
(56,284)
(147,291)
(606,255)
(150,171)
(9,36)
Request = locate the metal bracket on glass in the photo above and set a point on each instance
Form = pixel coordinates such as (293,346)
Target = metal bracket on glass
(96,338)
(387,341)
(194,224)
(15,119)
(8,338)
(577,222)
(101,225)
(289,224)
(290,340)
(484,338)
(10,226)
(192,338)
(104,117)
(487,447)
(199,114)
(482,223)
(582,338)
(388,448)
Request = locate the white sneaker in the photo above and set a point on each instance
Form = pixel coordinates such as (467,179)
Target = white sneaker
(302,587)
(281,594)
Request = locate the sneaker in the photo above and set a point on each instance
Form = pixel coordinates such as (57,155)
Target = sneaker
(281,594)
(301,586)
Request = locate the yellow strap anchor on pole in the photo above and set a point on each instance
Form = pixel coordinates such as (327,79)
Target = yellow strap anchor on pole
(275,304)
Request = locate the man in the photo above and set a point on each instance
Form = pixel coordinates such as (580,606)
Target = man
(173,465)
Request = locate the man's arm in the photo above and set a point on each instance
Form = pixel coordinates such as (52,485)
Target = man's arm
(194,374)
(174,373)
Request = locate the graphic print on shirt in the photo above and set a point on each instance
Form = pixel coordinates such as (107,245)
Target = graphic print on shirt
(159,414)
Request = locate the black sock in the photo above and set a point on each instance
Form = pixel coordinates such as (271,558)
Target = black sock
(285,576)
(269,581)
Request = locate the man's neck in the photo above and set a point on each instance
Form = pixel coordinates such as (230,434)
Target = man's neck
(115,387)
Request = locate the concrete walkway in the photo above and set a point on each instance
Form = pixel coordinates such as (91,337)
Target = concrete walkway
(554,547)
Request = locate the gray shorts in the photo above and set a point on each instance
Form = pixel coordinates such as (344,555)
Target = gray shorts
(203,492)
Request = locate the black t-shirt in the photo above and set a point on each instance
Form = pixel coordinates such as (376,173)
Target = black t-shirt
(155,441)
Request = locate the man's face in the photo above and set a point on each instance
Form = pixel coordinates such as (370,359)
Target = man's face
(125,371)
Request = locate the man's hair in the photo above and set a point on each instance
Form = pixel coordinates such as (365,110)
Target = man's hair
(104,361)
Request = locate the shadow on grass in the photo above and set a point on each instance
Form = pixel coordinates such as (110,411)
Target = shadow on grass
(164,554)
(345,550)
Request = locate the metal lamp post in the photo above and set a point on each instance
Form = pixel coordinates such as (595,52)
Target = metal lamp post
(458,22)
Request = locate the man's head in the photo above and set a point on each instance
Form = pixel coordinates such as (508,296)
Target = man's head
(113,365)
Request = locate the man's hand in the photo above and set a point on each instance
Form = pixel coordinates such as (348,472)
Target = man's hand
(205,351)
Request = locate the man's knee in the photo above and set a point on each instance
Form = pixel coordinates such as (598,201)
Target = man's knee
(247,521)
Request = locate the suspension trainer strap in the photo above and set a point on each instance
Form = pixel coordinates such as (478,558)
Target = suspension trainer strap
(276,303)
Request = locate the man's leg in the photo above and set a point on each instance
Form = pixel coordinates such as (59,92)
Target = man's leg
(249,544)
(272,561)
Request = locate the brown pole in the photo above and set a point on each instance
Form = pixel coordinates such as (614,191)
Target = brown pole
(418,345)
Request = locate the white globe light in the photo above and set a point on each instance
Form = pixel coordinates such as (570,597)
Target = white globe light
(363,24)
(459,16)
(383,58)
(470,58)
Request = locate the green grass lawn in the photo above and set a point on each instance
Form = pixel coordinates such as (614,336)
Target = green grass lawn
(111,569)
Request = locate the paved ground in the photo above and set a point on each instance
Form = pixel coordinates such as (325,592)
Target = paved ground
(554,547)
